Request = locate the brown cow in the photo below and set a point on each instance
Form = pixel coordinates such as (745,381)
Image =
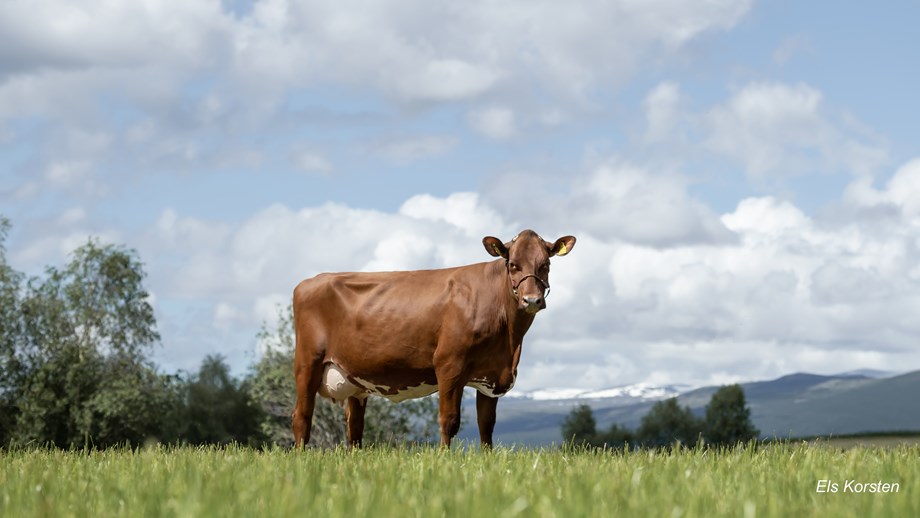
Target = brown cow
(405,335)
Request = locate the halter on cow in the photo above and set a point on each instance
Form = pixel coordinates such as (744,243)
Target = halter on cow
(403,335)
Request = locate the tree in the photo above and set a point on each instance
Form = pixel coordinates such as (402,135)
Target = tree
(11,371)
(219,409)
(579,426)
(580,429)
(272,386)
(617,437)
(78,362)
(728,419)
(667,423)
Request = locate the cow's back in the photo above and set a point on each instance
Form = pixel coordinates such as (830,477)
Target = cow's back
(380,324)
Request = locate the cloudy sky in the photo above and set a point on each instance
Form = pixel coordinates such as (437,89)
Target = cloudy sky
(743,177)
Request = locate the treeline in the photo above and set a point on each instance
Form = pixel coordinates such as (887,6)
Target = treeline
(75,370)
(727,422)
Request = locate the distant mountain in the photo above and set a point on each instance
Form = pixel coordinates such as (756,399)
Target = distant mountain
(795,405)
(869,373)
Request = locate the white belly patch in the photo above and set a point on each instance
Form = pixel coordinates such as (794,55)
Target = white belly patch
(337,386)
(487,387)
(403,394)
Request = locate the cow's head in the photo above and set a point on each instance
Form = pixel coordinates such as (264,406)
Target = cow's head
(527,261)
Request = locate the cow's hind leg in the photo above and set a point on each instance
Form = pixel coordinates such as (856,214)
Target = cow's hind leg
(308,376)
(354,415)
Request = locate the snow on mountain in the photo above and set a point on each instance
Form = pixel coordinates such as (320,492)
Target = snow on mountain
(644,391)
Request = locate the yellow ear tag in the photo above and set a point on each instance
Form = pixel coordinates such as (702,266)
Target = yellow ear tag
(563,250)
(495,247)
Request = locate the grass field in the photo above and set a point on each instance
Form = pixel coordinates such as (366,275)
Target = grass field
(778,480)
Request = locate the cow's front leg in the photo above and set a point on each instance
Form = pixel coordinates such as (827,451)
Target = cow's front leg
(450,392)
(449,412)
(354,416)
(485,414)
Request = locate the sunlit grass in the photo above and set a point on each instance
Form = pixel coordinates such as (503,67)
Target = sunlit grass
(778,480)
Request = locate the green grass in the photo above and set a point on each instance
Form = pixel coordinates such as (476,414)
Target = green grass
(776,480)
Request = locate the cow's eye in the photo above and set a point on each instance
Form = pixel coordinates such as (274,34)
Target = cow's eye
(513,267)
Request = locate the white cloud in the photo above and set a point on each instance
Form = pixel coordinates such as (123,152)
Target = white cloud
(780,129)
(792,293)
(266,307)
(172,231)
(463,210)
(72,216)
(218,86)
(662,110)
(445,80)
(406,150)
(902,191)
(54,245)
(227,316)
(430,56)
(621,200)
(48,241)
(312,162)
(790,47)
(277,247)
(613,200)
(65,174)
(495,123)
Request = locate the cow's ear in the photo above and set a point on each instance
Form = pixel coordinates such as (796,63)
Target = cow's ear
(562,246)
(495,247)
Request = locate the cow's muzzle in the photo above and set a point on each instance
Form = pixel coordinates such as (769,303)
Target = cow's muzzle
(531,303)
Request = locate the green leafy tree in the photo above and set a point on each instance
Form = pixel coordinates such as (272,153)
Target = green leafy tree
(11,369)
(272,386)
(668,423)
(132,403)
(579,427)
(79,357)
(219,409)
(728,418)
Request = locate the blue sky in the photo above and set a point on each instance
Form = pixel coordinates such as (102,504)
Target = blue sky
(742,176)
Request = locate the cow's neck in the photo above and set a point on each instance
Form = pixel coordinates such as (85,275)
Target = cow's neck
(518,320)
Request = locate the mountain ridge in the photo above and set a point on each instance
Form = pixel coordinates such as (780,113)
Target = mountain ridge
(794,405)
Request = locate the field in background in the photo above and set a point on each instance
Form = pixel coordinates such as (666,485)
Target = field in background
(888,440)
(779,480)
